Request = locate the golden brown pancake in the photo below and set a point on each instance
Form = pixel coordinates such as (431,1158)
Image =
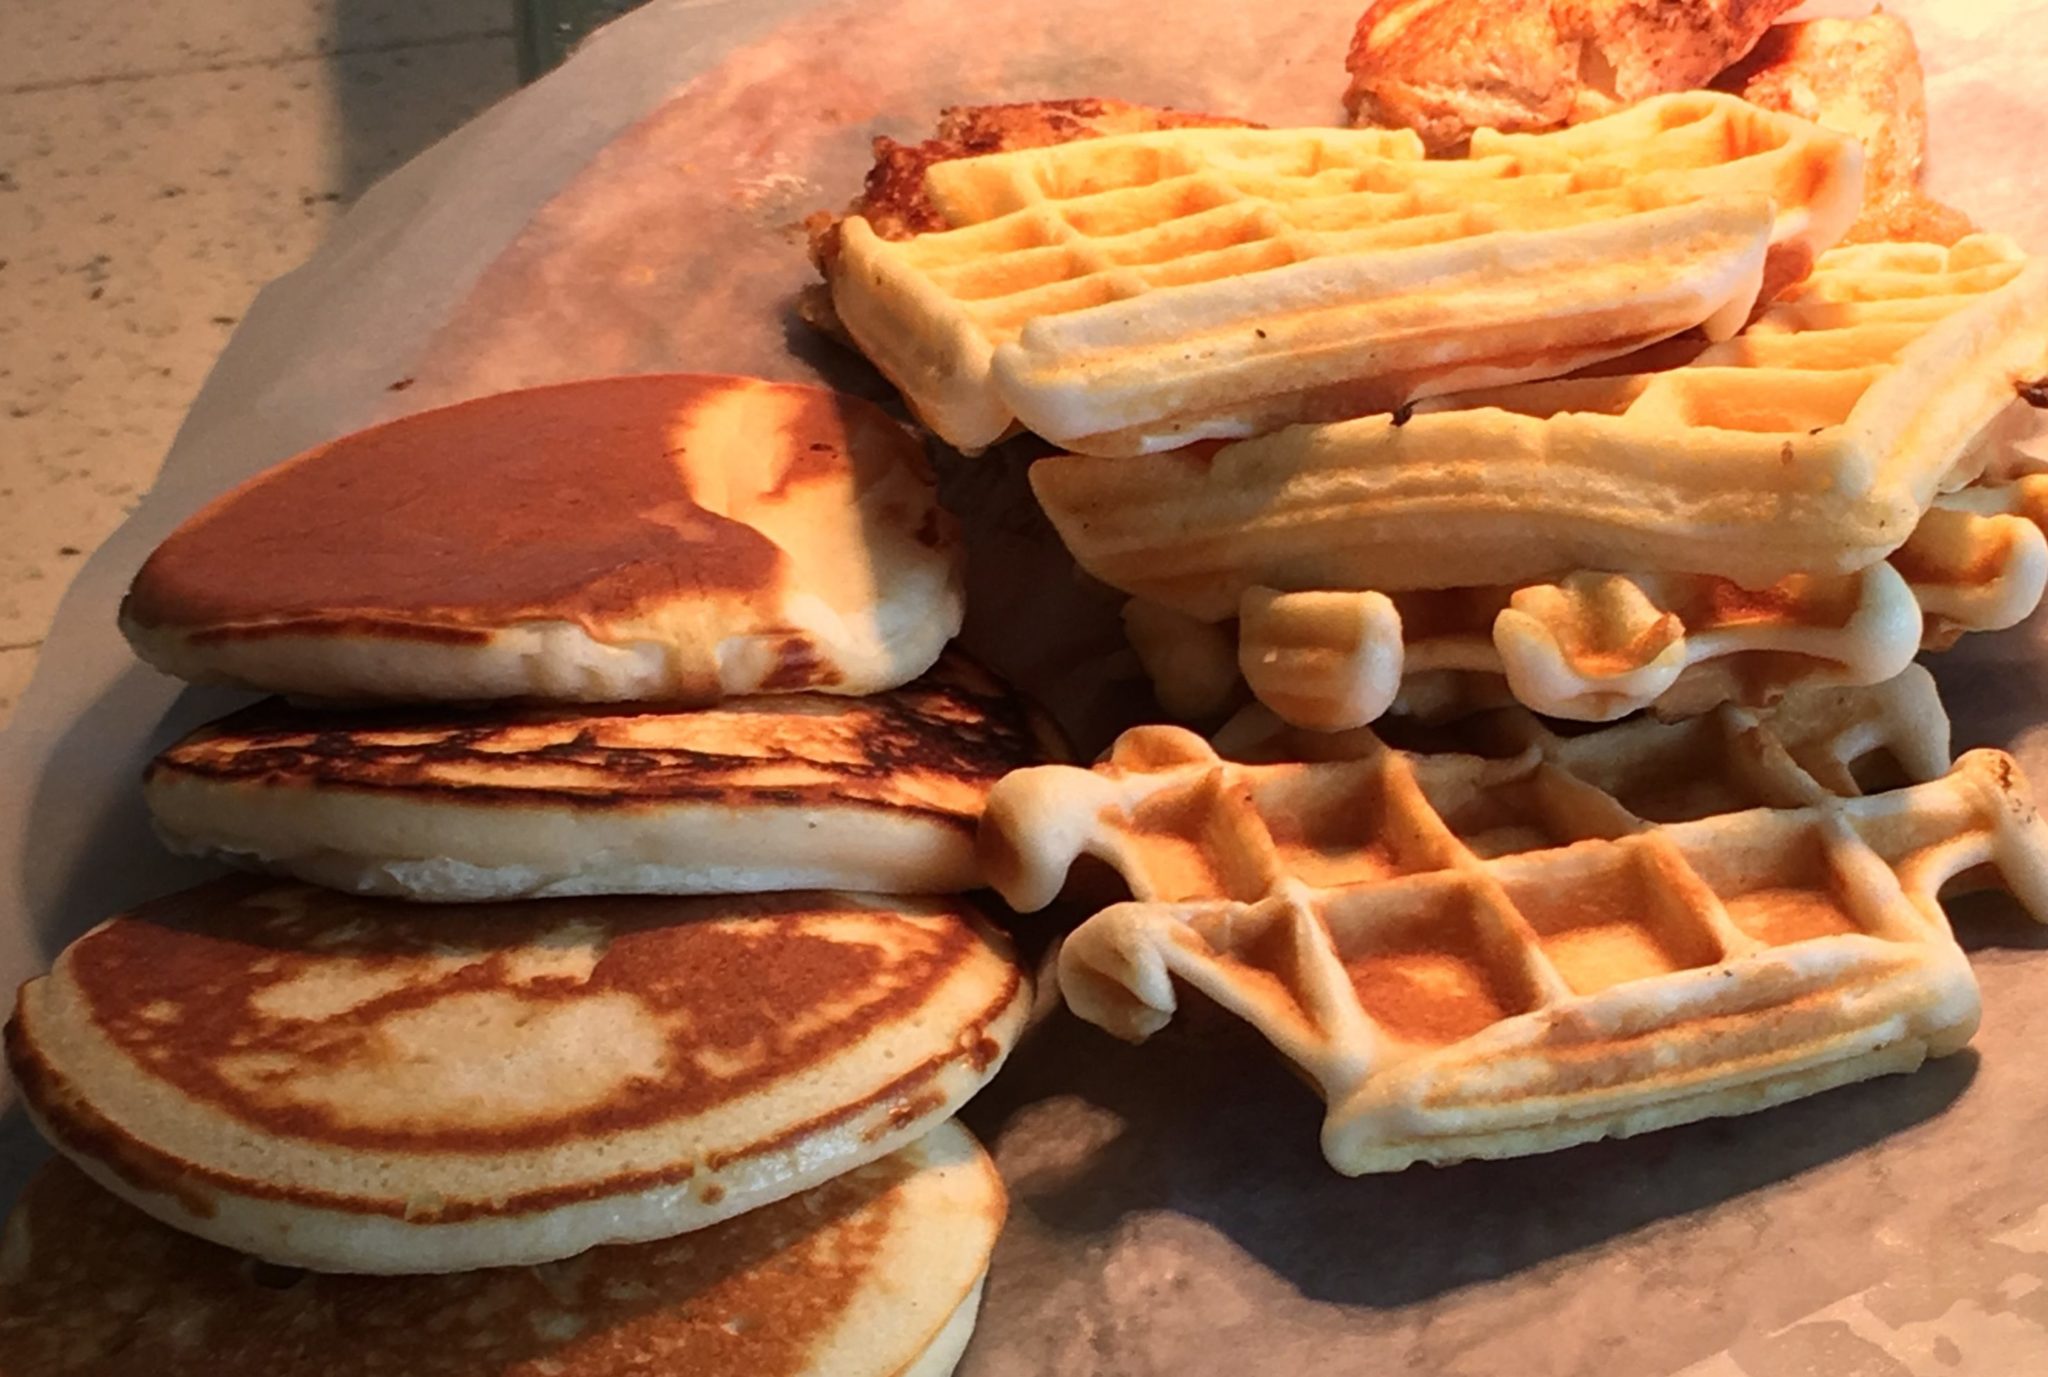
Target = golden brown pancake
(861,1276)
(358,1084)
(670,536)
(791,791)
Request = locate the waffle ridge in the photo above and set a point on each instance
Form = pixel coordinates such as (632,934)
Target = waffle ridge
(1132,293)
(1812,442)
(1595,646)
(1587,936)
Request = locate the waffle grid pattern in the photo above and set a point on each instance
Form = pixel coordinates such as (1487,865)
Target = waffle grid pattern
(1812,443)
(1485,957)
(1834,352)
(1135,292)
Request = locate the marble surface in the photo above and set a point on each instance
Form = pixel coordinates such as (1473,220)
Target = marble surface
(158,165)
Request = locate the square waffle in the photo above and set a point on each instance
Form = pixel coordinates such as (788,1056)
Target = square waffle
(1132,293)
(1596,646)
(1477,956)
(1811,443)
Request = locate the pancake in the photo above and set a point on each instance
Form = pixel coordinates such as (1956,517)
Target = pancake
(863,1276)
(792,791)
(362,1085)
(666,536)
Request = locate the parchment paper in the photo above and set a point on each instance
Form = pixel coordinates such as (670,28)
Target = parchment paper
(637,210)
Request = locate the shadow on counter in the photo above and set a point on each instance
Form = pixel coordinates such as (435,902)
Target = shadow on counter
(1214,1128)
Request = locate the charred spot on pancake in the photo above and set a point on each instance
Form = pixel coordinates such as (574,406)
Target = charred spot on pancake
(984,1053)
(956,722)
(798,665)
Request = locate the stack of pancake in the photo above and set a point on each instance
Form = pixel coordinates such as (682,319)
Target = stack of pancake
(635,1011)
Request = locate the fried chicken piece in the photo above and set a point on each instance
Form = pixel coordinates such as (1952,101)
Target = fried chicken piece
(1447,67)
(894,200)
(1862,77)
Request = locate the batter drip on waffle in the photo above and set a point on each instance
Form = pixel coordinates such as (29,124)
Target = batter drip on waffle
(1812,443)
(1128,294)
(1488,957)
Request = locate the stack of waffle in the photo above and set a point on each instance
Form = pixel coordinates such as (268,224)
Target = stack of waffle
(1821,495)
(571,978)
(1584,424)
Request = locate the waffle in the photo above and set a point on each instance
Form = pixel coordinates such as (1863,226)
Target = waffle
(1811,443)
(1595,646)
(1129,294)
(1476,957)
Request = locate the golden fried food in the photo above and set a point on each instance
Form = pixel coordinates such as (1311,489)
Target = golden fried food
(1447,67)
(1862,78)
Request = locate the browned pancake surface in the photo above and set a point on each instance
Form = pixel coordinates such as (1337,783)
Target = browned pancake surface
(562,502)
(90,1287)
(187,986)
(934,746)
(308,1017)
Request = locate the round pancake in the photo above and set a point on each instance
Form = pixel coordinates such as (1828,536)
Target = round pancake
(665,536)
(363,1085)
(862,1276)
(793,791)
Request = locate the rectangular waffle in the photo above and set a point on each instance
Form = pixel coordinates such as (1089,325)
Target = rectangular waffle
(1132,293)
(1811,443)
(1596,646)
(1477,957)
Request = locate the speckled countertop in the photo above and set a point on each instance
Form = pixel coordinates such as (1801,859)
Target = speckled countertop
(158,164)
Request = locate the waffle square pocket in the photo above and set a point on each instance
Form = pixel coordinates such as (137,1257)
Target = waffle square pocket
(1133,293)
(1568,938)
